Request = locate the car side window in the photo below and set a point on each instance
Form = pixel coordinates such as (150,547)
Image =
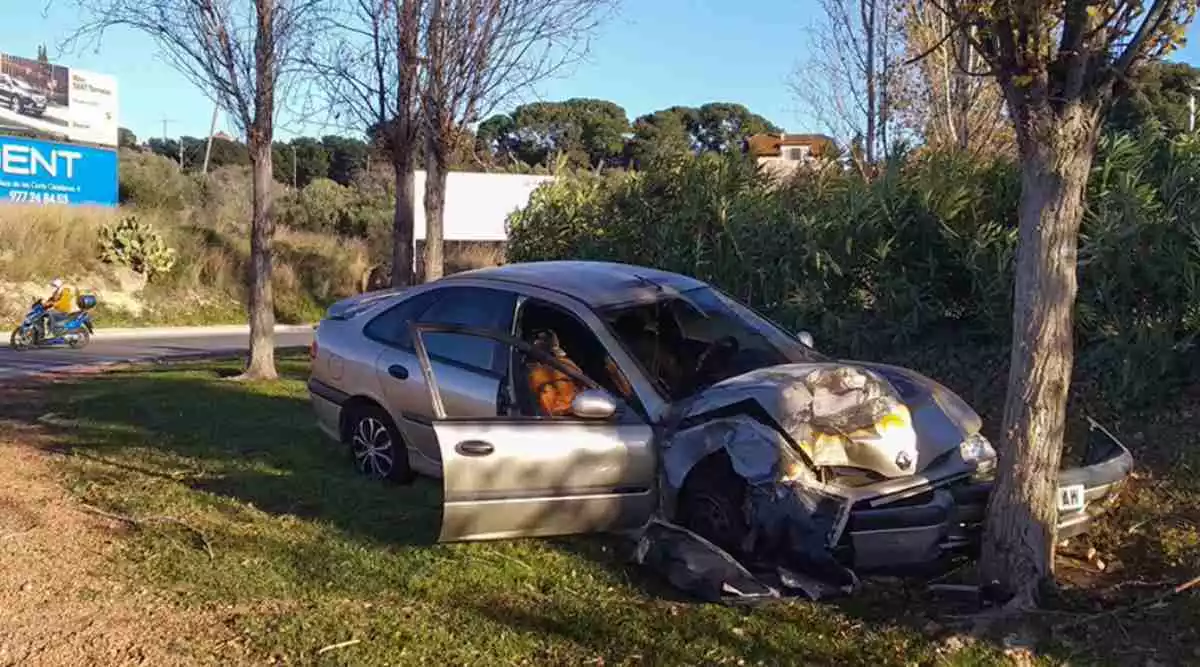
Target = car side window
(393,326)
(476,307)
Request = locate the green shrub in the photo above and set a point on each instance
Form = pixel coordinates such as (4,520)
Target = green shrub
(135,245)
(152,181)
(920,256)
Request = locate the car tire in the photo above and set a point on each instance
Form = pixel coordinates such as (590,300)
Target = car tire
(712,503)
(376,445)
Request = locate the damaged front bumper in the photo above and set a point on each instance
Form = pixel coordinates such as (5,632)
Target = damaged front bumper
(922,526)
(816,540)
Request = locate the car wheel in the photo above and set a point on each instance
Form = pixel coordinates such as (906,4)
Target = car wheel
(712,503)
(378,449)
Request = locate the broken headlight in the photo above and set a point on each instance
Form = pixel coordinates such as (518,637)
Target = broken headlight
(976,449)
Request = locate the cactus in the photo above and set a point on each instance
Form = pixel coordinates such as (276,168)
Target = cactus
(136,245)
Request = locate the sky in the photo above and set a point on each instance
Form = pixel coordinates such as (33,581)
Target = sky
(649,55)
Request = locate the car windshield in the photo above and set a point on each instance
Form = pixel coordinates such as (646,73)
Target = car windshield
(689,341)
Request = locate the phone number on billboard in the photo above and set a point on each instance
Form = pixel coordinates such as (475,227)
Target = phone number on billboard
(27,197)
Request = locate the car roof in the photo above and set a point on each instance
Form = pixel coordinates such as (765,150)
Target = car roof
(597,284)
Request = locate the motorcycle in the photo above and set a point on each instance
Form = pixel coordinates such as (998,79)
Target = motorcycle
(74,331)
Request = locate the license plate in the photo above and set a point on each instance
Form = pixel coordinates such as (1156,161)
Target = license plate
(1070,498)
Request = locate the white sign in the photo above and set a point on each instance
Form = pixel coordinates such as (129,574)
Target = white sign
(47,100)
(477,204)
(93,108)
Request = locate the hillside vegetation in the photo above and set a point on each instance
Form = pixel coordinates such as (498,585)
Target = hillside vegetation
(333,241)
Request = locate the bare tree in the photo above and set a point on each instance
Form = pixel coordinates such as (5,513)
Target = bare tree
(942,97)
(853,71)
(478,54)
(1056,62)
(368,65)
(241,52)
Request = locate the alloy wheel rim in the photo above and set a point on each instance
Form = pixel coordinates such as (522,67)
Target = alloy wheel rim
(373,451)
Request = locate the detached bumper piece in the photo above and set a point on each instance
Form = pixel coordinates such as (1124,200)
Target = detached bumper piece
(700,568)
(916,531)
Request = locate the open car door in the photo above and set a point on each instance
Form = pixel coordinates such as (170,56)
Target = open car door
(520,474)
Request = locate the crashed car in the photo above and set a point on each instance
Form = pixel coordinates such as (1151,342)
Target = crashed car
(561,398)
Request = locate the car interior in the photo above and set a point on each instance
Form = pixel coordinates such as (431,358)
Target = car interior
(540,389)
(686,345)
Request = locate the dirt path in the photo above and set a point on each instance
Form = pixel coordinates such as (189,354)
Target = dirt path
(58,603)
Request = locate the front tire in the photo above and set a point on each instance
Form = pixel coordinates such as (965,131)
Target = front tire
(712,504)
(379,450)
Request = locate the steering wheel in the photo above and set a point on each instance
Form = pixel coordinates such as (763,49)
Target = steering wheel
(724,346)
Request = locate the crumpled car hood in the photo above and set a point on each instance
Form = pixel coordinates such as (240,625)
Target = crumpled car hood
(940,418)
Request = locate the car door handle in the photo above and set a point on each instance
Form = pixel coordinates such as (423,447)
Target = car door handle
(474,448)
(397,371)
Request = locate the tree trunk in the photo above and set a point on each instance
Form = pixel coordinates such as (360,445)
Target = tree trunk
(261,132)
(867,9)
(1056,156)
(403,218)
(262,298)
(435,207)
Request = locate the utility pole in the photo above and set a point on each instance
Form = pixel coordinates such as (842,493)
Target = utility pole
(166,121)
(212,129)
(1192,109)
(294,181)
(180,153)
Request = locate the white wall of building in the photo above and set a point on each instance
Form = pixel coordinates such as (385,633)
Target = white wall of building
(477,204)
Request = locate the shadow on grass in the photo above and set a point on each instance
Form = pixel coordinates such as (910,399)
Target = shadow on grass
(256,445)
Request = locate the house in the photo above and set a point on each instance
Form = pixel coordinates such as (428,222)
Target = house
(782,154)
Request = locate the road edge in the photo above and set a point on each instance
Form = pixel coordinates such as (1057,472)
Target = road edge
(140,333)
(130,364)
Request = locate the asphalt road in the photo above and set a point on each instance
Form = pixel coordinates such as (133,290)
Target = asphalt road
(101,351)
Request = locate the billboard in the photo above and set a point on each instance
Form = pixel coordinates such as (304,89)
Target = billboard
(40,97)
(44,172)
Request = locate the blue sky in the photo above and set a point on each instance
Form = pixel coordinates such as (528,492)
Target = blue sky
(651,54)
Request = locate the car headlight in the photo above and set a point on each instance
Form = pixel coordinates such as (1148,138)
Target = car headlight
(976,449)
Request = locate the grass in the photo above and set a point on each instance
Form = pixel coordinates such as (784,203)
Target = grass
(206,286)
(306,554)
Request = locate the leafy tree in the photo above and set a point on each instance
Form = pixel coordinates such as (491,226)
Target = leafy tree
(126,138)
(346,156)
(1057,62)
(224,153)
(589,132)
(1153,98)
(497,139)
(168,148)
(722,127)
(302,160)
(663,133)
(716,127)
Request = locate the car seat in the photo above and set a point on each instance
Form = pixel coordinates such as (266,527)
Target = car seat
(552,390)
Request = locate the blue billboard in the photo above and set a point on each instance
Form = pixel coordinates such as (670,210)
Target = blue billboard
(44,172)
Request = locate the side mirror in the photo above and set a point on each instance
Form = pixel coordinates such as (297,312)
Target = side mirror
(593,404)
(806,338)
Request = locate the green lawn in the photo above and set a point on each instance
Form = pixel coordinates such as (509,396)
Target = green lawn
(308,554)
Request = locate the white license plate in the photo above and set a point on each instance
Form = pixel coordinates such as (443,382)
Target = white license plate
(1070,498)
